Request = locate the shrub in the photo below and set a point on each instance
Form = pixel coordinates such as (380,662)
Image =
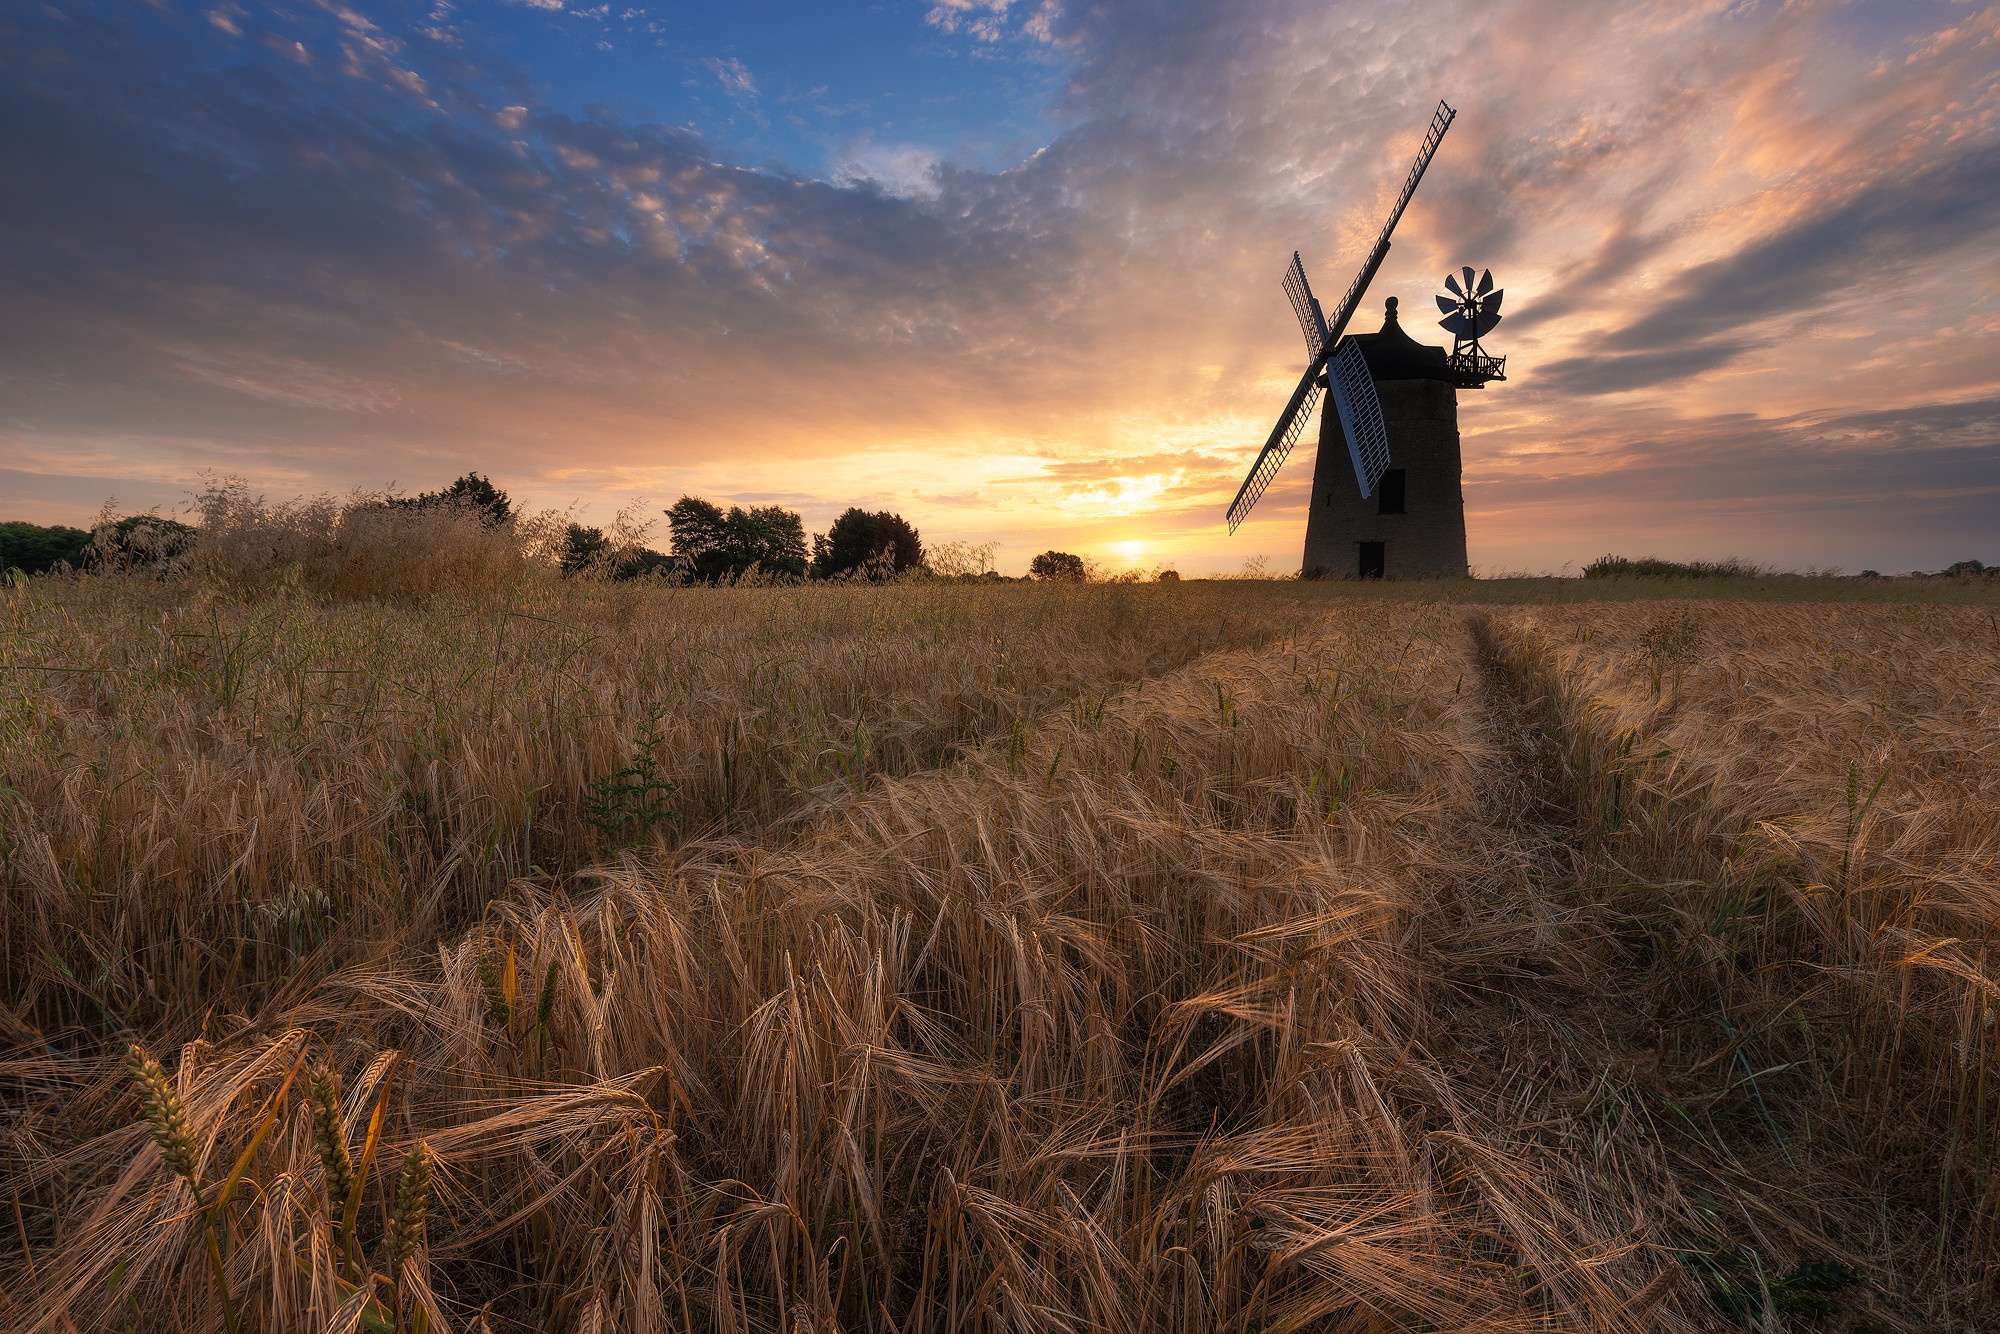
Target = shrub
(1652,567)
(368,546)
(1058,565)
(960,560)
(1170,576)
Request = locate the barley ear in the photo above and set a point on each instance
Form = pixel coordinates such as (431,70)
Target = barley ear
(163,1111)
(498,1012)
(406,1220)
(328,1135)
(545,1009)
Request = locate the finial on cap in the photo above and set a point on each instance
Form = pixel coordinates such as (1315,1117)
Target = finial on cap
(1389,312)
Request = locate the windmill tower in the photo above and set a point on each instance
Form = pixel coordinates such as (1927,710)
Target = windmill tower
(1395,408)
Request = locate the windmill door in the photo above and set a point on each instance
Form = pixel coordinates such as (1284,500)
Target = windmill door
(1372,559)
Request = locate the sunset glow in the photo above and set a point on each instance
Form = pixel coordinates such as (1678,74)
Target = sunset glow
(1010,268)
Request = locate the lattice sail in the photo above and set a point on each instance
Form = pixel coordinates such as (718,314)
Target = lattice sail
(1312,322)
(1360,411)
(1440,122)
(1291,423)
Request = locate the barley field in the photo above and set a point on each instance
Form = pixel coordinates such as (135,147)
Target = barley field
(934,956)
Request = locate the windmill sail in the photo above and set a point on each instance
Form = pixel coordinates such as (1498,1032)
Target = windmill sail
(1312,321)
(1360,411)
(1291,423)
(1440,122)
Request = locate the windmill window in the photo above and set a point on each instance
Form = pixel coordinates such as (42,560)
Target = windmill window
(1390,492)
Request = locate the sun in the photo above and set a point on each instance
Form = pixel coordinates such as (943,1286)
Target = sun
(1129,551)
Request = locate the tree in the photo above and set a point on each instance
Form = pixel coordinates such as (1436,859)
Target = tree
(583,548)
(1057,565)
(712,545)
(33,549)
(878,544)
(470,492)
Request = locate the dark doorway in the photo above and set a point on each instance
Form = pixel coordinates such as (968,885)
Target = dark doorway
(1371,559)
(1389,492)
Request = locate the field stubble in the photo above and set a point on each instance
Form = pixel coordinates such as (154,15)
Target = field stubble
(1341,970)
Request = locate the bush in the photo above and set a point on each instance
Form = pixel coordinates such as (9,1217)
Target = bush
(1059,565)
(960,560)
(1652,567)
(138,542)
(1170,576)
(877,545)
(711,546)
(368,546)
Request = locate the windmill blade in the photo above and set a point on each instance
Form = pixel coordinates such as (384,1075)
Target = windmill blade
(1451,282)
(1360,412)
(1485,281)
(1484,324)
(1440,122)
(1311,322)
(1469,275)
(1446,304)
(1291,423)
(1455,323)
(1491,303)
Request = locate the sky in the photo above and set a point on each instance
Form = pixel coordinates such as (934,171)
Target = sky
(1009,267)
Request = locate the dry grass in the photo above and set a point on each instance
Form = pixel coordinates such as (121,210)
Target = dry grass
(1234,957)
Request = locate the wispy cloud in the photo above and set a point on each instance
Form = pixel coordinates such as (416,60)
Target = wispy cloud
(733,75)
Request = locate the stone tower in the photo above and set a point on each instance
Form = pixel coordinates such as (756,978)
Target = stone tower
(1413,527)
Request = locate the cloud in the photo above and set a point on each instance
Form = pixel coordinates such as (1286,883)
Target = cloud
(907,170)
(733,75)
(1746,239)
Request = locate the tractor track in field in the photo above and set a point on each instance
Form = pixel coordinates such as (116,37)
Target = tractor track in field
(1561,1013)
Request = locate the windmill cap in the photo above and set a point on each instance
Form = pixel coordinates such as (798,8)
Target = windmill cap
(1393,355)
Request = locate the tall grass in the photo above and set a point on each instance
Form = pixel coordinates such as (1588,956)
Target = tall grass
(1808,802)
(1118,1022)
(209,797)
(563,954)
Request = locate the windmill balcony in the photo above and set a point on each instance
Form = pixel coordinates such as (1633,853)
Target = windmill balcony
(1472,369)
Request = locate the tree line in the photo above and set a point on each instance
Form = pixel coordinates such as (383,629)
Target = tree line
(707,543)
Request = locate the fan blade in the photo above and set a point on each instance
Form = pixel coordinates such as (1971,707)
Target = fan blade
(1484,325)
(1492,302)
(1469,276)
(1446,304)
(1455,323)
(1291,423)
(1360,412)
(1485,282)
(1451,282)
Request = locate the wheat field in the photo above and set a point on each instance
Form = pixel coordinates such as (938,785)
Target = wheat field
(1247,956)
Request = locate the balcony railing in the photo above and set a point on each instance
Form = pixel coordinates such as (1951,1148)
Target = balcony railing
(1473,369)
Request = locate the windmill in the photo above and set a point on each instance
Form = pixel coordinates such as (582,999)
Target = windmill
(1470,313)
(1334,362)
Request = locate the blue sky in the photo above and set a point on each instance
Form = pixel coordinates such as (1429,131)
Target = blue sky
(815,89)
(1009,267)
